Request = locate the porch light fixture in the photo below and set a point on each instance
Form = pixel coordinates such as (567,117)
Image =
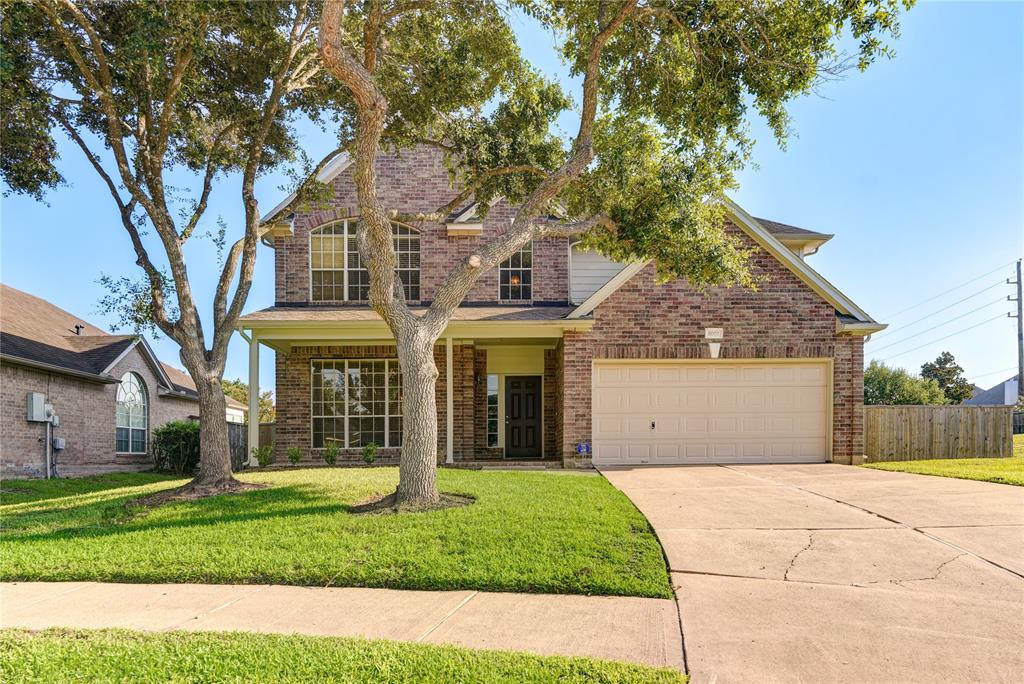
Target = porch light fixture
(713,336)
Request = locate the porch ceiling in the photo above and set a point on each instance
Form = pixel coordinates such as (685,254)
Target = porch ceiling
(285,327)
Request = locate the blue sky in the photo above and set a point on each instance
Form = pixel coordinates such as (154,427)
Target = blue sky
(916,166)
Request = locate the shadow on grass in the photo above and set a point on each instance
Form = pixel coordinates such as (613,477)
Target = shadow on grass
(111,517)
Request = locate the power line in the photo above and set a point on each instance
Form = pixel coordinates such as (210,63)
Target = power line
(946,292)
(998,372)
(996,318)
(926,330)
(950,306)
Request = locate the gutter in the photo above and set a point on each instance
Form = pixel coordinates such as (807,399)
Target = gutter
(102,378)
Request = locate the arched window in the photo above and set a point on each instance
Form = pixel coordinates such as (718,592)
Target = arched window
(132,415)
(337,273)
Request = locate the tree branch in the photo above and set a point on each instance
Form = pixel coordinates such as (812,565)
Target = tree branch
(444,211)
(572,229)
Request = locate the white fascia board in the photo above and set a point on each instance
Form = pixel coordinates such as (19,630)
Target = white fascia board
(608,289)
(151,357)
(331,170)
(798,266)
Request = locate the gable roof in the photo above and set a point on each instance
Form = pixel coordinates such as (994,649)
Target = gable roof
(329,172)
(995,395)
(851,318)
(36,333)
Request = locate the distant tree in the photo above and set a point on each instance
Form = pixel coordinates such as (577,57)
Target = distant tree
(239,391)
(892,386)
(950,376)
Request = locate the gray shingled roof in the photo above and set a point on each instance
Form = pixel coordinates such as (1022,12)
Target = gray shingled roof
(285,314)
(776,228)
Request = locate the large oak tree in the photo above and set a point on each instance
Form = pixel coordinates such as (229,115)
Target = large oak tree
(668,88)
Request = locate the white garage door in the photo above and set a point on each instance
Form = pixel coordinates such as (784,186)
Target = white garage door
(718,412)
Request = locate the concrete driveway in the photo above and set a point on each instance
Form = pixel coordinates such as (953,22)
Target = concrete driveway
(817,573)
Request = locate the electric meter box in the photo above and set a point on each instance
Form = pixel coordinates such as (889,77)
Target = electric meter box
(36,407)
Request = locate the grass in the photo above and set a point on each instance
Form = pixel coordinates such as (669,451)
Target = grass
(528,532)
(1002,470)
(59,656)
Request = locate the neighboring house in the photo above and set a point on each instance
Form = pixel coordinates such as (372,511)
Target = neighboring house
(560,354)
(108,391)
(1003,394)
(236,410)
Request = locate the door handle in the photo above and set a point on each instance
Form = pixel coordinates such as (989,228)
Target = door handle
(652,424)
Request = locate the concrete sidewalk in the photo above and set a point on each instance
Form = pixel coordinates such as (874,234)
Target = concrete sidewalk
(638,630)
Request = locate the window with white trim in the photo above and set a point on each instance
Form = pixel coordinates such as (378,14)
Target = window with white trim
(356,402)
(515,275)
(492,410)
(337,273)
(132,415)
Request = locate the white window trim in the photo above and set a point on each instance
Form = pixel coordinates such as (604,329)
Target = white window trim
(145,430)
(502,267)
(344,269)
(387,403)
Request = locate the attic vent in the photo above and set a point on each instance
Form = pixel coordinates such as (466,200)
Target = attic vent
(78,329)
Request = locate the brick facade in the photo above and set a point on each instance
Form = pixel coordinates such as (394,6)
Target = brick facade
(783,319)
(87,412)
(416,181)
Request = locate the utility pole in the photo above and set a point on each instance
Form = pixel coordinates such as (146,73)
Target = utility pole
(1020,333)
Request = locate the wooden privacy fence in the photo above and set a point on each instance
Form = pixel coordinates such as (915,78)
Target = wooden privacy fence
(913,433)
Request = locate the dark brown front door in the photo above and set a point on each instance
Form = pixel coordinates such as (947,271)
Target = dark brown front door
(522,416)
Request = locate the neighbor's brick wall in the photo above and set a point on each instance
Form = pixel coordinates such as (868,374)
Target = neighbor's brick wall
(294,421)
(416,181)
(87,420)
(784,318)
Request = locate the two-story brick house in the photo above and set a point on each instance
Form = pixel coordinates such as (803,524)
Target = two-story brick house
(559,355)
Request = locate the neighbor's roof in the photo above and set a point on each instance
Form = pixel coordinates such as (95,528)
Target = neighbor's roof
(36,333)
(995,395)
(297,314)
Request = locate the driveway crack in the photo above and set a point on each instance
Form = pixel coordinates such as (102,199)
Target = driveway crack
(792,562)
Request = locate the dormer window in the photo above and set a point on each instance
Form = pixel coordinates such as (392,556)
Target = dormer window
(515,275)
(337,273)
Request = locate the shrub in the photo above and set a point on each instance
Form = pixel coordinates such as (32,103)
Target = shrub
(894,386)
(264,454)
(370,452)
(331,452)
(175,447)
(294,455)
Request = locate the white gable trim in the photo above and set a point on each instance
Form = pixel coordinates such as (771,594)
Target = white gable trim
(331,170)
(772,245)
(147,353)
(798,266)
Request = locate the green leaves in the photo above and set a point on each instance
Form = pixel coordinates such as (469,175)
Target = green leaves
(894,386)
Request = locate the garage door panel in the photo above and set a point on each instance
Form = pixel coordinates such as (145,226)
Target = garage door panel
(744,412)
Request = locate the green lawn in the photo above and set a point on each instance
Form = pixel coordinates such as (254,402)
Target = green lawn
(1002,470)
(58,656)
(528,531)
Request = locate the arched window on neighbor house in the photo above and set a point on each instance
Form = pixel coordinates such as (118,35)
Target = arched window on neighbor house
(337,273)
(132,415)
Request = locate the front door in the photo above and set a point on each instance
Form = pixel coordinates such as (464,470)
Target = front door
(522,416)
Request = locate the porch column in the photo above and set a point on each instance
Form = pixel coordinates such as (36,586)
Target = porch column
(449,402)
(254,397)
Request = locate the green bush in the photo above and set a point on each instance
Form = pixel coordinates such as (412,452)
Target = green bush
(331,453)
(175,447)
(294,455)
(370,452)
(264,454)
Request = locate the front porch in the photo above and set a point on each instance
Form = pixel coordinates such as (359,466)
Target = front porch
(499,390)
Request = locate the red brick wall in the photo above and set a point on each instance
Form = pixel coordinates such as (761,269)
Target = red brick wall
(416,181)
(87,420)
(784,318)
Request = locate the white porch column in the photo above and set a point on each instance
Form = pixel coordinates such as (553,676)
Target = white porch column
(449,402)
(254,397)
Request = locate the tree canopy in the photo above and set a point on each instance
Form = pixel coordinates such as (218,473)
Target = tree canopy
(886,385)
(950,377)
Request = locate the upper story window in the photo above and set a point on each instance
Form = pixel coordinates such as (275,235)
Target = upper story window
(337,273)
(132,415)
(515,275)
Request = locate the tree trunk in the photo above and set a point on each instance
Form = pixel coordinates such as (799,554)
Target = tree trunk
(417,469)
(214,452)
